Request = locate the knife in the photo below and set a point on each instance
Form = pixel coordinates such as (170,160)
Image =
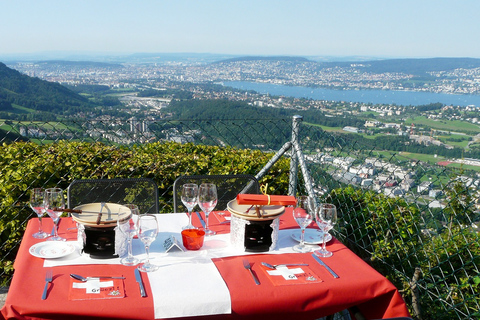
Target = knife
(200,218)
(326,267)
(138,278)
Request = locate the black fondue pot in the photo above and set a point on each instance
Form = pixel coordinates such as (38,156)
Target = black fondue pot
(99,222)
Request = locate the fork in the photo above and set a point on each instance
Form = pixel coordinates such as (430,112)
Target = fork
(247,266)
(48,279)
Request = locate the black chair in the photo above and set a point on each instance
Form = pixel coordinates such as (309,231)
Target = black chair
(228,187)
(140,191)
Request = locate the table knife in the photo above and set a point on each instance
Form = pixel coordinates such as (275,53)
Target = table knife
(138,277)
(326,267)
(200,218)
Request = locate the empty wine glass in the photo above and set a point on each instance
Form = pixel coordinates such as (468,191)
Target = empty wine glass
(147,232)
(326,215)
(207,200)
(54,204)
(129,228)
(36,203)
(189,199)
(303,214)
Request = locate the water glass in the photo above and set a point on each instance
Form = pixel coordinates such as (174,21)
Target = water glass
(207,200)
(147,232)
(36,203)
(326,216)
(303,214)
(189,200)
(54,203)
(129,229)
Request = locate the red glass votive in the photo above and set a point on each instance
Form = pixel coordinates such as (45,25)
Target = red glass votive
(193,238)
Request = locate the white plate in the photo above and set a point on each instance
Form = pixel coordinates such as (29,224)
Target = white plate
(269,212)
(51,249)
(312,236)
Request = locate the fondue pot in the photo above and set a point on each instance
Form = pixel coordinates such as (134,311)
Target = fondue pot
(254,228)
(97,228)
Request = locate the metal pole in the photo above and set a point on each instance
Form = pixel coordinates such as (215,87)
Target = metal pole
(292,182)
(274,159)
(306,174)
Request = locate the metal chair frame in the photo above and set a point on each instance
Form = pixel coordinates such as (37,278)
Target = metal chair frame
(140,191)
(228,186)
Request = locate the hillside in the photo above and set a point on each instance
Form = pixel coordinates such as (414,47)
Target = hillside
(417,67)
(37,94)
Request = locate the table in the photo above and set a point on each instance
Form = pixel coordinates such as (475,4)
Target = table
(359,285)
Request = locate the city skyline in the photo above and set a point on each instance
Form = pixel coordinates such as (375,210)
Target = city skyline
(372,28)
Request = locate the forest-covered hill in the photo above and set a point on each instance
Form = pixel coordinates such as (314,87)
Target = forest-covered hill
(36,94)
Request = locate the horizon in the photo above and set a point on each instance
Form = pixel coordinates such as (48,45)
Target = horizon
(372,28)
(193,57)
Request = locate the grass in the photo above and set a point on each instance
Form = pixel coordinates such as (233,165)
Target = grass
(442,124)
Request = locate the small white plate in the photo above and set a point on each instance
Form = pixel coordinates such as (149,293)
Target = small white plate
(51,249)
(312,236)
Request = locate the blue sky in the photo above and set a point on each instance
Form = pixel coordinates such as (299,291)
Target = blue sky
(387,28)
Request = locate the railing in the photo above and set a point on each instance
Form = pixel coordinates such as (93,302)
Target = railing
(414,222)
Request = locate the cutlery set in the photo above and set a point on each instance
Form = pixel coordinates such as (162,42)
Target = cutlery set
(49,278)
(247,266)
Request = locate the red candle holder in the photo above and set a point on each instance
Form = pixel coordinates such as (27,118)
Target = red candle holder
(193,238)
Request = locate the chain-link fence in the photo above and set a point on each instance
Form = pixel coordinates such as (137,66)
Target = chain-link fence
(412,221)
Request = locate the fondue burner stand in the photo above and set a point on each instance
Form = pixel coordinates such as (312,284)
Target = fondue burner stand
(254,235)
(100,242)
(98,232)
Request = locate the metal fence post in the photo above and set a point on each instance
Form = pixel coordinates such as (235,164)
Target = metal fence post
(292,181)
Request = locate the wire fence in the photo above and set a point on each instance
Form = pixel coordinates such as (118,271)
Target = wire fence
(414,222)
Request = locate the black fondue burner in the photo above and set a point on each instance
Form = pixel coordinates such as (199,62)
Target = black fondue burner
(258,236)
(100,242)
(254,228)
(99,221)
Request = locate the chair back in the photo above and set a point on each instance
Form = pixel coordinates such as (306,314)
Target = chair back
(228,187)
(140,191)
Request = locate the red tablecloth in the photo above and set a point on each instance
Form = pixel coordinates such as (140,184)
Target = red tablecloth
(359,285)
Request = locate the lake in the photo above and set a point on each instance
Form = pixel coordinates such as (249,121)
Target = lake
(366,96)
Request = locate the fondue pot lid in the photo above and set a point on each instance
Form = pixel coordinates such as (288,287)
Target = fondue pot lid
(110,213)
(246,211)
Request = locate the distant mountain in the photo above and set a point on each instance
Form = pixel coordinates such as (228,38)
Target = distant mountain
(37,94)
(417,67)
(411,66)
(266,58)
(88,64)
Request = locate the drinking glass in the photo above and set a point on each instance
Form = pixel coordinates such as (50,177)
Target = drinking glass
(129,229)
(326,215)
(207,200)
(36,203)
(189,199)
(54,204)
(303,214)
(147,232)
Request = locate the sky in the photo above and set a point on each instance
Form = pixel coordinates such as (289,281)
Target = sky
(373,28)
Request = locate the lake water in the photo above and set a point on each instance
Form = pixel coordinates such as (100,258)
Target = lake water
(367,96)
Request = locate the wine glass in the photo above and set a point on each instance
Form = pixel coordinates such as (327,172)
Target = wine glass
(129,228)
(207,200)
(147,232)
(36,203)
(326,215)
(54,204)
(189,199)
(303,214)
